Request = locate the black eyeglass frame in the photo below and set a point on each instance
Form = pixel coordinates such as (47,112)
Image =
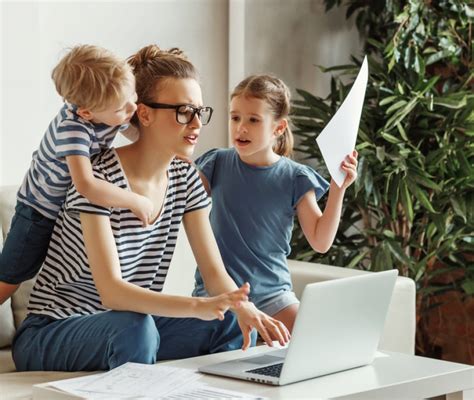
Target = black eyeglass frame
(176,107)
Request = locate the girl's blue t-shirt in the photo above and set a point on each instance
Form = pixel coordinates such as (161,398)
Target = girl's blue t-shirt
(252,216)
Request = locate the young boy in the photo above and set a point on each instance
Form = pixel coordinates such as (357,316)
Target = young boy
(99,96)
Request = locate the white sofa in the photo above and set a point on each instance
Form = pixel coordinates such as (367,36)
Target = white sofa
(399,332)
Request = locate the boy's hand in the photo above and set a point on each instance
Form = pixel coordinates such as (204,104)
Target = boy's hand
(349,165)
(143,209)
(209,308)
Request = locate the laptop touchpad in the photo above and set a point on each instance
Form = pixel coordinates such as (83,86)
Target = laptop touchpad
(263,360)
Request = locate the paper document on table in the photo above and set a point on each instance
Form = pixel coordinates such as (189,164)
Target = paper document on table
(141,381)
(338,137)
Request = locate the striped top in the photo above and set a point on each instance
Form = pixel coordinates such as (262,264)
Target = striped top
(47,181)
(65,287)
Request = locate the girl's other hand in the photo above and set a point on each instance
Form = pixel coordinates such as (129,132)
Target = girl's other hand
(349,165)
(209,308)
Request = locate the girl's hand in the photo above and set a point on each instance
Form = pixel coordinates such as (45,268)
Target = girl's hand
(349,165)
(143,209)
(250,317)
(209,308)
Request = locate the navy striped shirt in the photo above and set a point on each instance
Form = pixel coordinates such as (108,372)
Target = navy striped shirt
(64,286)
(46,182)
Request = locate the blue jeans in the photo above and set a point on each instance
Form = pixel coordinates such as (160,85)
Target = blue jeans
(108,339)
(26,245)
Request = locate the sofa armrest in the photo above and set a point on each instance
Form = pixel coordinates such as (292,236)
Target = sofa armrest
(400,325)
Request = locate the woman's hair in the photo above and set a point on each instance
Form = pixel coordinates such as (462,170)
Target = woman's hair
(153,66)
(91,77)
(277,95)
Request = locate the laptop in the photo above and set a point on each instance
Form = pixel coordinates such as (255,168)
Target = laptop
(338,327)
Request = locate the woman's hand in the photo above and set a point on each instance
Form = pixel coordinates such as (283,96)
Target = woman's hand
(250,317)
(349,165)
(209,308)
(143,208)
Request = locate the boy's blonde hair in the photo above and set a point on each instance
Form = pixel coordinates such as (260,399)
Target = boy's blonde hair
(91,77)
(277,95)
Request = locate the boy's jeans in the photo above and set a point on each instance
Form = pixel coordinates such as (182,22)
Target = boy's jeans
(26,245)
(108,339)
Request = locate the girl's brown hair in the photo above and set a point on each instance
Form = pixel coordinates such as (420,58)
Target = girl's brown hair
(152,66)
(277,95)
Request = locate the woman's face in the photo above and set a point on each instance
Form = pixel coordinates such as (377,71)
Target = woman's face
(169,135)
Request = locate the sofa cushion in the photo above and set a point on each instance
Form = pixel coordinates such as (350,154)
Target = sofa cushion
(7,204)
(7,324)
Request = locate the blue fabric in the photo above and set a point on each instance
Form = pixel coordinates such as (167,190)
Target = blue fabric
(26,245)
(252,215)
(109,339)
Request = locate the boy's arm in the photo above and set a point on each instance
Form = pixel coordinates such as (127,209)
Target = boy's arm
(106,194)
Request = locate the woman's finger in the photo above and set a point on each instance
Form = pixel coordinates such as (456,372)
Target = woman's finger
(264,334)
(247,338)
(271,325)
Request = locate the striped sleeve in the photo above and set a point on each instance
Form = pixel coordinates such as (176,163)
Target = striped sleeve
(196,196)
(72,138)
(76,203)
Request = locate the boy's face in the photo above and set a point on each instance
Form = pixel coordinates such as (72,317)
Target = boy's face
(118,112)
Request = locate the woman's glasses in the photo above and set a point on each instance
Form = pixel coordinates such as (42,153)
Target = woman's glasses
(185,112)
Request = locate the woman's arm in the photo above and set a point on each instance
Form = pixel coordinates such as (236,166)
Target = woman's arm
(117,294)
(104,193)
(320,228)
(217,280)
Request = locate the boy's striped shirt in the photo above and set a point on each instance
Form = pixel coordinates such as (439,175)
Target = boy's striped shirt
(46,183)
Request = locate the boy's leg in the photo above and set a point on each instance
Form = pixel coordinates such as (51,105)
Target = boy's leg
(190,337)
(7,290)
(25,248)
(85,343)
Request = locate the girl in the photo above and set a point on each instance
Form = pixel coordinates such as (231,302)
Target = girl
(256,191)
(96,303)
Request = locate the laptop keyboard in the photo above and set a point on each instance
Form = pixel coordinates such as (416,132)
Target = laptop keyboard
(270,370)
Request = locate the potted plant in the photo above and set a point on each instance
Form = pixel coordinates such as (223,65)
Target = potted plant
(412,207)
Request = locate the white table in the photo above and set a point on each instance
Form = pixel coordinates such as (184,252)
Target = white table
(396,376)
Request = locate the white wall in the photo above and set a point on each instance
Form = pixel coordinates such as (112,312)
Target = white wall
(290,37)
(226,40)
(35,33)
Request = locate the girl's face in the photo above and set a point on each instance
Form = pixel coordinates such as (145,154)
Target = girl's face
(167,134)
(253,129)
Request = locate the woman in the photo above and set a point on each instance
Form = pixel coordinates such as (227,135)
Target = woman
(96,303)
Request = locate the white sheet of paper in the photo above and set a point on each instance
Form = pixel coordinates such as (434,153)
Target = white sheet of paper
(338,137)
(145,382)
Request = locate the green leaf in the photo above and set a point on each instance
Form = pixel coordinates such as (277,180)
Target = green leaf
(468,287)
(421,196)
(398,252)
(406,200)
(451,103)
(396,106)
(387,100)
(390,138)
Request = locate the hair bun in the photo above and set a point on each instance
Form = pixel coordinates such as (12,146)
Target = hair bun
(150,53)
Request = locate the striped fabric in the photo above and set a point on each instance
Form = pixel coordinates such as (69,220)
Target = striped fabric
(64,286)
(46,182)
